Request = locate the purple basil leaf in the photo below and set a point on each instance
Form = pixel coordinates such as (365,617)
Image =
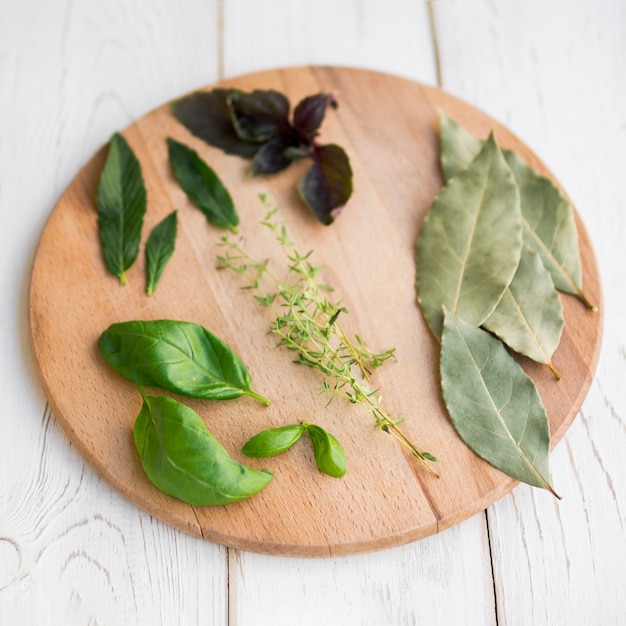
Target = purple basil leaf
(309,114)
(327,185)
(293,153)
(259,115)
(273,156)
(206,115)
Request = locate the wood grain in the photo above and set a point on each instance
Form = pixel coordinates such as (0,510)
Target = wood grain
(555,563)
(388,126)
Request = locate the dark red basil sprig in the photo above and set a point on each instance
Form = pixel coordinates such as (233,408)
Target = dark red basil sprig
(257,126)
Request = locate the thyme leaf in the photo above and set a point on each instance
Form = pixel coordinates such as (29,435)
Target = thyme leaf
(307,322)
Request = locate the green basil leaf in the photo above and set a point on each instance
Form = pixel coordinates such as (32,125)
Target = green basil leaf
(471,241)
(259,115)
(494,406)
(327,185)
(329,455)
(181,357)
(159,249)
(121,207)
(207,116)
(529,318)
(183,459)
(202,186)
(548,219)
(273,441)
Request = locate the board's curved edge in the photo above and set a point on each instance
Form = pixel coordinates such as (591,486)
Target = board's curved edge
(298,550)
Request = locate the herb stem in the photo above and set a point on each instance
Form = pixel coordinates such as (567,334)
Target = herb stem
(259,397)
(305,320)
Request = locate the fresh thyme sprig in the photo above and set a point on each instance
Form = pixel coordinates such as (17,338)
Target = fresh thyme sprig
(306,320)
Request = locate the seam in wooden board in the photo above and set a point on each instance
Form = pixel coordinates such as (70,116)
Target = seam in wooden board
(425,492)
(435,41)
(491,567)
(220,15)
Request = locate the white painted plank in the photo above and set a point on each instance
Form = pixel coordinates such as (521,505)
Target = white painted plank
(440,580)
(392,36)
(72,550)
(409,585)
(553,72)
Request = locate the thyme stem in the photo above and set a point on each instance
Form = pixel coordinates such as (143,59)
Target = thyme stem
(305,320)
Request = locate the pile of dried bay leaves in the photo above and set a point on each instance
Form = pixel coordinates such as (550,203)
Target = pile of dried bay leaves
(496,245)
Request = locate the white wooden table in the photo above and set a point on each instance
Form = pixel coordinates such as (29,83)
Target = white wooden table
(74,551)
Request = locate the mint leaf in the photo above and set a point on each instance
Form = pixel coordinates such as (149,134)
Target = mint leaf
(159,249)
(121,207)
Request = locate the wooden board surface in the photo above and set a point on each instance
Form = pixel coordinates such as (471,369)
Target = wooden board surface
(389,128)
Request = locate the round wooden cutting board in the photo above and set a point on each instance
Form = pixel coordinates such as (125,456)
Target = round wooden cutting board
(389,128)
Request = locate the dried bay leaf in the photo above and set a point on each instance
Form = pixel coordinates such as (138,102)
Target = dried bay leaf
(493,405)
(529,318)
(549,226)
(458,146)
(471,241)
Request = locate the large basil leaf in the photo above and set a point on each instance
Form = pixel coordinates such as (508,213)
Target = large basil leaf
(494,406)
(529,318)
(471,241)
(184,460)
(178,356)
(121,207)
(206,114)
(549,226)
(159,249)
(202,186)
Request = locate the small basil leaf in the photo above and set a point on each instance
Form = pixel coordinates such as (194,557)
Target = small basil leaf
(273,441)
(159,249)
(181,357)
(259,115)
(207,116)
(329,455)
(183,459)
(121,207)
(327,185)
(272,157)
(309,113)
(202,186)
